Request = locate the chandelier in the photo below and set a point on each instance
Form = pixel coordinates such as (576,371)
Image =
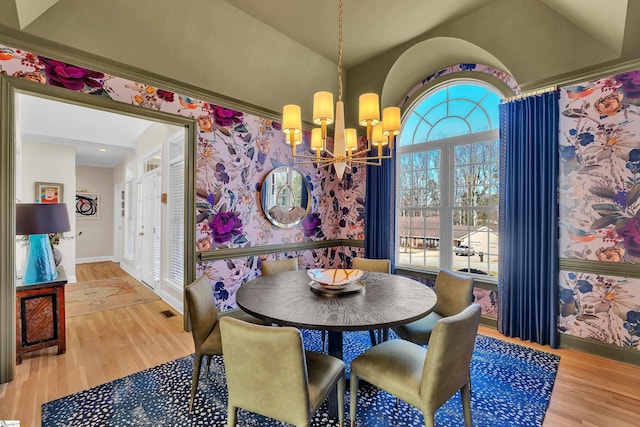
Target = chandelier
(345,141)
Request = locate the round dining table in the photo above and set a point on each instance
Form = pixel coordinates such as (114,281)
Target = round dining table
(290,299)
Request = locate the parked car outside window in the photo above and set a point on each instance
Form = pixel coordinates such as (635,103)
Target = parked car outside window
(464,250)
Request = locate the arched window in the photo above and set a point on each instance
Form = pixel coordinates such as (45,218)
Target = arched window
(447,182)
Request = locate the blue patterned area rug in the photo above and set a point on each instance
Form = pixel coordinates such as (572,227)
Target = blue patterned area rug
(511,386)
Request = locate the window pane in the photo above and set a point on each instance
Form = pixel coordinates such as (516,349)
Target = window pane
(433,159)
(490,104)
(460,107)
(476,240)
(463,188)
(405,162)
(419,232)
(479,120)
(420,161)
(449,127)
(431,101)
(437,113)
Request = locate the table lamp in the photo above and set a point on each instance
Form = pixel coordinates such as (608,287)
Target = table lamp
(37,220)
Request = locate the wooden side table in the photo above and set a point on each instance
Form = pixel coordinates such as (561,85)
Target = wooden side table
(40,316)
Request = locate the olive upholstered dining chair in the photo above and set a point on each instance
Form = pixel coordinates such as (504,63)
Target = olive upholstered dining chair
(205,327)
(378,266)
(279,266)
(424,378)
(269,373)
(454,292)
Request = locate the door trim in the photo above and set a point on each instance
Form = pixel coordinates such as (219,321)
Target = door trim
(9,87)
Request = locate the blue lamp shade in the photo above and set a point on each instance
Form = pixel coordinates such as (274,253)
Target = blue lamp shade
(37,220)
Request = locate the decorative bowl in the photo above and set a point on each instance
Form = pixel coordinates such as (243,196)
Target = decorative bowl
(335,278)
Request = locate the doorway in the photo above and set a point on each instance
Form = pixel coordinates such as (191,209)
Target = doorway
(10,146)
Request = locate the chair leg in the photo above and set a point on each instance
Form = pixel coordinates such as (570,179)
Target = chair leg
(324,340)
(340,387)
(208,357)
(372,335)
(232,414)
(353,398)
(465,392)
(197,361)
(429,419)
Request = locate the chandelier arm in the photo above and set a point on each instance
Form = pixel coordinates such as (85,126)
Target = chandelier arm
(362,151)
(372,163)
(311,162)
(316,160)
(356,159)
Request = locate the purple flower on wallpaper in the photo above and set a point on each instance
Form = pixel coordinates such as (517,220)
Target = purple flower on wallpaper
(69,76)
(220,292)
(585,138)
(630,83)
(224,226)
(276,125)
(165,95)
(311,224)
(621,198)
(221,173)
(630,233)
(226,117)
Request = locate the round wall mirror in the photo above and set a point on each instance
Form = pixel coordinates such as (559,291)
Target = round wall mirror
(285,196)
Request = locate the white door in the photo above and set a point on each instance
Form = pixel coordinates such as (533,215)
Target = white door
(118,218)
(150,229)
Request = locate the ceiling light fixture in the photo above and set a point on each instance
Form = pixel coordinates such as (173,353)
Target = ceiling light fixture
(102,149)
(345,141)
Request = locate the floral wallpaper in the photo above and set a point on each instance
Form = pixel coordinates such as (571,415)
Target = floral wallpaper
(605,308)
(599,189)
(235,151)
(599,183)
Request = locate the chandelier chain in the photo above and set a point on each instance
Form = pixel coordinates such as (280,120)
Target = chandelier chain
(339,50)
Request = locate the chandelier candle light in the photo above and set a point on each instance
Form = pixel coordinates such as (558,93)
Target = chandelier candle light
(345,141)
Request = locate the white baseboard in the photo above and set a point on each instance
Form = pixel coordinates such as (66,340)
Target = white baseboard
(72,279)
(170,299)
(94,259)
(131,272)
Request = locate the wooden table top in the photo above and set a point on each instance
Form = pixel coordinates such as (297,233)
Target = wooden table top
(286,299)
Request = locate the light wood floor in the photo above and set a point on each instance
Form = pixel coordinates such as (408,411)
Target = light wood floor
(589,390)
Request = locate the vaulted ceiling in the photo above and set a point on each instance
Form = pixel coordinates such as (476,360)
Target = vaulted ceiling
(268,53)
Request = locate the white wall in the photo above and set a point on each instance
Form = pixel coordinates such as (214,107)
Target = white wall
(52,163)
(94,241)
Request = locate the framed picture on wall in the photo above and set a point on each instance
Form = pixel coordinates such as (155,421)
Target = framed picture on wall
(49,192)
(87,205)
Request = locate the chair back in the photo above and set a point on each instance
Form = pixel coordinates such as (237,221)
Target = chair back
(375,265)
(454,292)
(202,309)
(446,367)
(266,370)
(274,267)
